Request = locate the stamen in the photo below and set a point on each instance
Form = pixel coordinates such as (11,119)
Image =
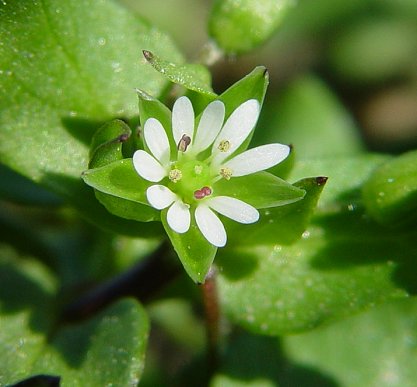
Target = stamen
(184,142)
(226,173)
(198,169)
(224,146)
(175,175)
(203,192)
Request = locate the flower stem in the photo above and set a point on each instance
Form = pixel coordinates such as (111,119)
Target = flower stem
(212,313)
(143,281)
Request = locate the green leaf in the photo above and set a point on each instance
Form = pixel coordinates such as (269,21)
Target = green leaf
(344,263)
(108,349)
(309,116)
(122,191)
(375,348)
(194,77)
(239,27)
(194,252)
(261,190)
(390,194)
(26,293)
(284,224)
(65,69)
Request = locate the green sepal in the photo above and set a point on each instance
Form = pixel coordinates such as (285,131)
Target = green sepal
(129,209)
(118,179)
(261,190)
(283,224)
(150,107)
(252,86)
(121,190)
(194,251)
(194,77)
(106,144)
(390,194)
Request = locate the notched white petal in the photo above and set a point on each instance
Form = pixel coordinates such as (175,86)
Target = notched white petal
(237,128)
(157,140)
(210,226)
(182,119)
(257,159)
(160,197)
(148,167)
(178,217)
(209,126)
(234,209)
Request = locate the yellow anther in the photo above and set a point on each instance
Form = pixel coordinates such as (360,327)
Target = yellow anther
(224,145)
(226,173)
(175,175)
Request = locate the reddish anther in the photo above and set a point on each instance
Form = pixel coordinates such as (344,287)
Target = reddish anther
(202,193)
(207,191)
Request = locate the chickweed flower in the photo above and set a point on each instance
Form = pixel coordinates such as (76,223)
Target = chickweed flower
(188,169)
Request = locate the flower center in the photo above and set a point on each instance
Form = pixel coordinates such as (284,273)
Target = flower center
(190,179)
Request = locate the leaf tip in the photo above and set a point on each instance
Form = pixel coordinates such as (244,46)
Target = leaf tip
(143,94)
(321,180)
(148,55)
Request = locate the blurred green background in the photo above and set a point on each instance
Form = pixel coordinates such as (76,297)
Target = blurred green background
(363,51)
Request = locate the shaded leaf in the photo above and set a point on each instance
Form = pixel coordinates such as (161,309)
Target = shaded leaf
(108,349)
(344,263)
(375,348)
(390,194)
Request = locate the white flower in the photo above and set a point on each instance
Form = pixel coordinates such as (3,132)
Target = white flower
(189,172)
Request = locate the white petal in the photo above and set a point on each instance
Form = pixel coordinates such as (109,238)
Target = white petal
(157,140)
(257,159)
(178,217)
(182,119)
(237,128)
(234,209)
(147,167)
(209,126)
(210,226)
(160,197)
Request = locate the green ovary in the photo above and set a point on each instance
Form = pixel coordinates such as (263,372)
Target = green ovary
(194,176)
